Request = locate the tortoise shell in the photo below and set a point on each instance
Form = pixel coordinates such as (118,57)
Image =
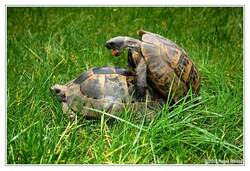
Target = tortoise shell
(168,65)
(104,88)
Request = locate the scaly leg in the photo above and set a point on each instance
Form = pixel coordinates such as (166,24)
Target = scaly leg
(66,110)
(141,76)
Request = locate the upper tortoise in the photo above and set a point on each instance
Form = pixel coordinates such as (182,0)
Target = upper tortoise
(159,62)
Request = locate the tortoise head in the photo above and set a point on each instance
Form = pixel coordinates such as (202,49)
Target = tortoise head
(117,44)
(60,91)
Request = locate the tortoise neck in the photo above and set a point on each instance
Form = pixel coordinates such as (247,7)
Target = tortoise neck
(132,43)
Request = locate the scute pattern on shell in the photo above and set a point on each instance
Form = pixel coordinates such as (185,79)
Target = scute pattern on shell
(103,88)
(168,66)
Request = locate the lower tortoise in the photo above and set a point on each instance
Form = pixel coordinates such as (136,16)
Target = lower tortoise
(104,88)
(158,62)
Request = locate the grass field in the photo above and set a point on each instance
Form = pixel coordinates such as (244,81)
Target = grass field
(54,45)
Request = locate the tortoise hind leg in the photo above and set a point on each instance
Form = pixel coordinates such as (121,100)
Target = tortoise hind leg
(94,107)
(146,109)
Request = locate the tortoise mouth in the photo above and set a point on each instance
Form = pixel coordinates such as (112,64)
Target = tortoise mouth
(115,52)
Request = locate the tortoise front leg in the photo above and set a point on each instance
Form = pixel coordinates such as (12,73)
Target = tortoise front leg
(68,111)
(141,76)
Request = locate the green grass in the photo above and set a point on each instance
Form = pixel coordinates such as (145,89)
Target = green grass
(53,45)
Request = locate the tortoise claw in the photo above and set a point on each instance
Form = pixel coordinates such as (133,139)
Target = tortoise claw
(140,93)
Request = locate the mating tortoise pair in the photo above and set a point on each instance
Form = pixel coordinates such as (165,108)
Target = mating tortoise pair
(156,64)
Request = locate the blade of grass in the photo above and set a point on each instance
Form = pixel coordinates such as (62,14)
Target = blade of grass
(115,117)
(112,152)
(152,149)
(22,131)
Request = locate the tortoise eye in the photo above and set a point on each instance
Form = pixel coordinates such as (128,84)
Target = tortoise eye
(110,45)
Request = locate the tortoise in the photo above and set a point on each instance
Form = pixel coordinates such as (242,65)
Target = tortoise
(159,62)
(103,88)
